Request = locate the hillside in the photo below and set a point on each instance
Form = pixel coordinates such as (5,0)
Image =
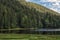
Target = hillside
(37,7)
(21,14)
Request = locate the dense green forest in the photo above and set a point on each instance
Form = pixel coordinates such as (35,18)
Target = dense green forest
(21,14)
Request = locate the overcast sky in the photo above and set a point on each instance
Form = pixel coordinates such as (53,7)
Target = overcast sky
(51,4)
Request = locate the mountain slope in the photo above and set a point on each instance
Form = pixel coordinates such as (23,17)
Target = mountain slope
(21,14)
(37,7)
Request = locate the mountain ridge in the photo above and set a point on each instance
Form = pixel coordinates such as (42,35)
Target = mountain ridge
(39,7)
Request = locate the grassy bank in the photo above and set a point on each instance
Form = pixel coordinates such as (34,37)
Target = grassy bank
(28,37)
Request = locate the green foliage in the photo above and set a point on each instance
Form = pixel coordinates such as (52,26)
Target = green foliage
(20,14)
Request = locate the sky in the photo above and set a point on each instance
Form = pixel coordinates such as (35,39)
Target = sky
(51,4)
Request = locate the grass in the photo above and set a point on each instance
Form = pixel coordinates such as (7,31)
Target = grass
(28,37)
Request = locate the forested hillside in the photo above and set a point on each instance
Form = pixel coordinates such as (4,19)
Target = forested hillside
(21,14)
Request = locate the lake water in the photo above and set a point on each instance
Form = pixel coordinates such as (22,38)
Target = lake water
(47,30)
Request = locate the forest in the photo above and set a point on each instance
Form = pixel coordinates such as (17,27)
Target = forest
(20,14)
